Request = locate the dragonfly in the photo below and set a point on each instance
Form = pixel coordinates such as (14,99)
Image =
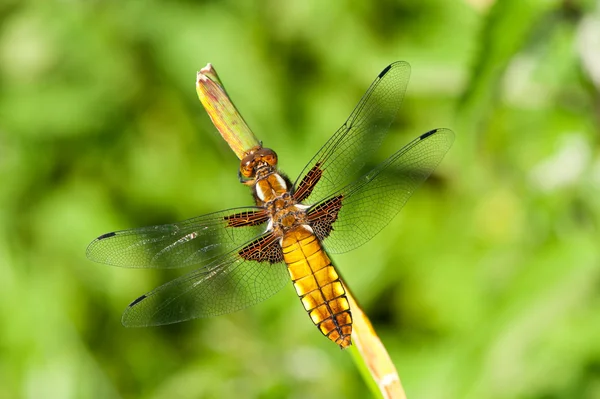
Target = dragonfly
(245,255)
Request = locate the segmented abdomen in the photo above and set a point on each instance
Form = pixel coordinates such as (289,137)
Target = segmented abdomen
(318,285)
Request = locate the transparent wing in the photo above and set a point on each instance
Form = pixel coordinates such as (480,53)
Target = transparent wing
(191,242)
(344,155)
(371,202)
(229,284)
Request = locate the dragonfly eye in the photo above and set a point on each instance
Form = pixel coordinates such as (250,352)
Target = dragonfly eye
(268,156)
(248,163)
(247,167)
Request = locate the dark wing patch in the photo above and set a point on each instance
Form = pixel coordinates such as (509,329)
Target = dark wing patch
(308,183)
(247,218)
(322,216)
(263,249)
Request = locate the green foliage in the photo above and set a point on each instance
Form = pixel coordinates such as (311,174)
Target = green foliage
(486,284)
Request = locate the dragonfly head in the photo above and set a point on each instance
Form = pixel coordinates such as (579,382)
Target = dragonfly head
(254,160)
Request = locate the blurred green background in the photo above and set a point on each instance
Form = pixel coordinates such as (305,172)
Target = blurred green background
(487,285)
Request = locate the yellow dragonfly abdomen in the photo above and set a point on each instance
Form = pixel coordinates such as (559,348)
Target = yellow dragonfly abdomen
(318,284)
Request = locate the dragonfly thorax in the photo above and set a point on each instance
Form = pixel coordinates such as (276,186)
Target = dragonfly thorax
(269,186)
(272,191)
(285,214)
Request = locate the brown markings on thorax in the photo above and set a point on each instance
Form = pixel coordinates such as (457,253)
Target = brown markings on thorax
(270,187)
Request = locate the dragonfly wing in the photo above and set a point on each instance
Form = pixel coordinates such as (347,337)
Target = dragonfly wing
(359,211)
(342,158)
(244,277)
(191,242)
